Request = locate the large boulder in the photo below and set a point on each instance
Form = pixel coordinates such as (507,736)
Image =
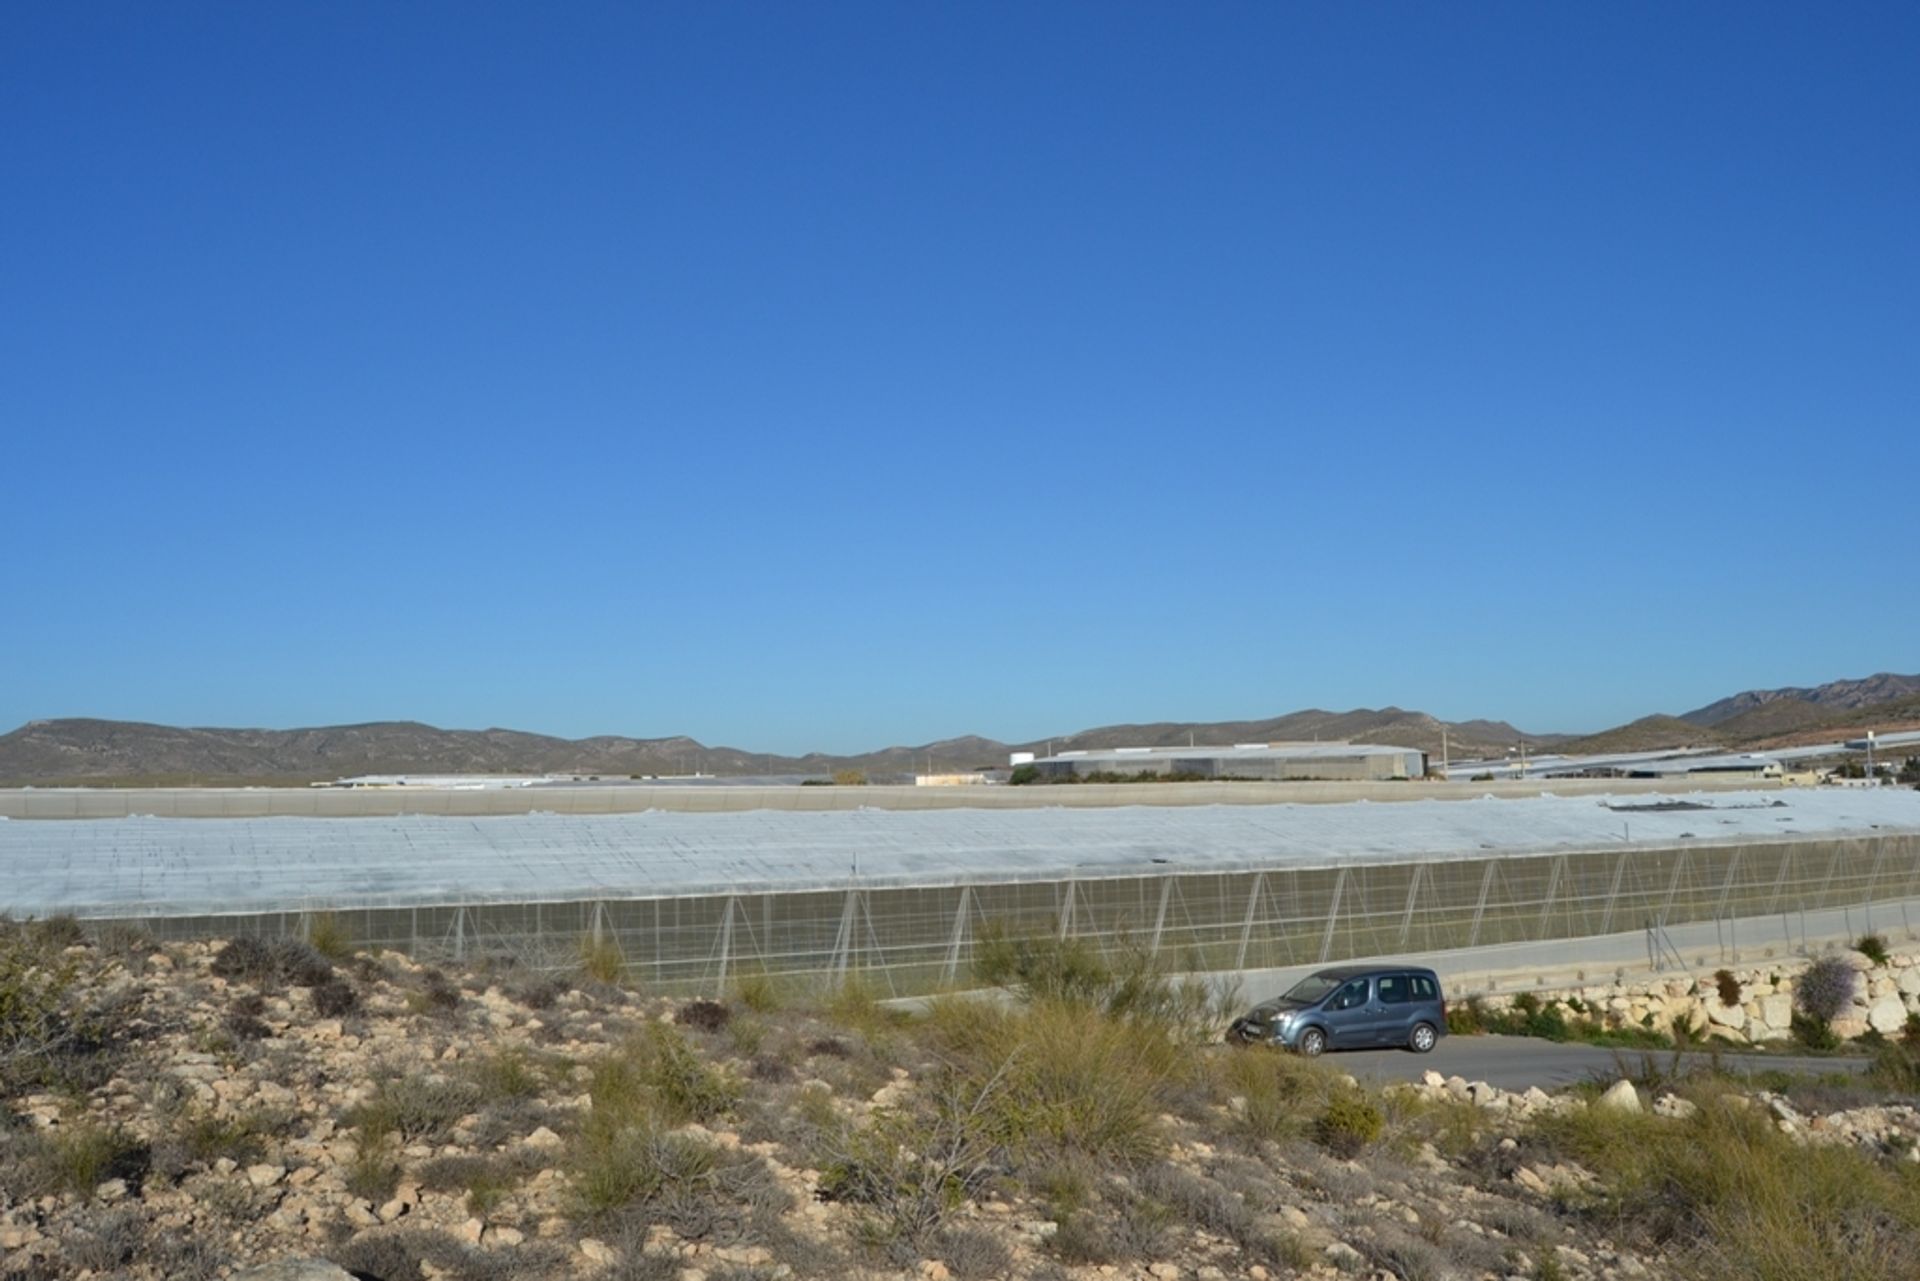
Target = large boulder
(1620,1097)
(1887,1015)
(1726,1015)
(1777,1011)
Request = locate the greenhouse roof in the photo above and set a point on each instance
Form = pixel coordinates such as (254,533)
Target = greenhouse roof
(157,866)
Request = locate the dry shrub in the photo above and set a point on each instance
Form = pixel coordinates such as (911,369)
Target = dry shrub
(707,1016)
(1724,1195)
(334,999)
(1074,1078)
(281,961)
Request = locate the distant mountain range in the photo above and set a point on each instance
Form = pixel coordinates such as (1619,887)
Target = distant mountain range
(1834,696)
(101,751)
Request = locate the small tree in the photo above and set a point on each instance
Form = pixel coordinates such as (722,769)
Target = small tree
(849,778)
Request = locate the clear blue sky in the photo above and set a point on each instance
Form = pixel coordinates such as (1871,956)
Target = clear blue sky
(830,375)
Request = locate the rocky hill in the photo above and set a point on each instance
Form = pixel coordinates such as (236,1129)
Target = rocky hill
(183,1111)
(1649,733)
(83,751)
(1834,696)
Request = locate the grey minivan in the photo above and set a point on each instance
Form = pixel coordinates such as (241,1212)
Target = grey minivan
(1351,1007)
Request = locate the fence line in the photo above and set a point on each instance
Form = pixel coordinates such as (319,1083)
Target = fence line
(906,938)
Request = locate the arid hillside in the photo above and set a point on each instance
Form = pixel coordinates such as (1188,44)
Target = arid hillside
(180,1112)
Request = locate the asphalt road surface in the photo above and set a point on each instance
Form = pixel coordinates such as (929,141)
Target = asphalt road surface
(1517,1062)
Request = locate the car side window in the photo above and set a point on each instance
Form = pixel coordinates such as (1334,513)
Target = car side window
(1423,989)
(1354,993)
(1393,990)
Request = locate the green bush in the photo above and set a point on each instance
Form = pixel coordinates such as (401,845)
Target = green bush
(602,960)
(1813,1033)
(1349,1124)
(329,936)
(1468,1017)
(1874,948)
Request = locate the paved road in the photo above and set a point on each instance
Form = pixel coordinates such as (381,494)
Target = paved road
(1514,1062)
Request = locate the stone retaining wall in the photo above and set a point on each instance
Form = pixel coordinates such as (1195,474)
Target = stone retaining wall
(1885,996)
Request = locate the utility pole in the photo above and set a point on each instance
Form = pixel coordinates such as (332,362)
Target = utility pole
(1444,762)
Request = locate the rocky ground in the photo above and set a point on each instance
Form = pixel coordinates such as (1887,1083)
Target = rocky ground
(193,1111)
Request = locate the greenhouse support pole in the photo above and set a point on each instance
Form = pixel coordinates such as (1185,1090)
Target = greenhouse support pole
(959,934)
(1480,908)
(726,944)
(843,946)
(1413,893)
(1833,863)
(1613,894)
(1726,885)
(1553,889)
(1673,886)
(1873,879)
(1780,881)
(1333,915)
(1246,926)
(1066,911)
(460,933)
(1160,917)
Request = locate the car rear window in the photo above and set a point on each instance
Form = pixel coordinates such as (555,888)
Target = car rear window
(1424,988)
(1393,990)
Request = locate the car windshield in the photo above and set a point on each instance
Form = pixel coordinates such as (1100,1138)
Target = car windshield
(1311,989)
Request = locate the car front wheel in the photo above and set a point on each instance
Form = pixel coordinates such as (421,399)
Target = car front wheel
(1423,1038)
(1312,1042)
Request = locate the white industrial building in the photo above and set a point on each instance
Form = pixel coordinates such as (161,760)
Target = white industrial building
(1267,762)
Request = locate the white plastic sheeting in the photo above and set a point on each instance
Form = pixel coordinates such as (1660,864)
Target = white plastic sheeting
(197,866)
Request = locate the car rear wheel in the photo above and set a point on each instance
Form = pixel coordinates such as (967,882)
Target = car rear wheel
(1423,1038)
(1312,1042)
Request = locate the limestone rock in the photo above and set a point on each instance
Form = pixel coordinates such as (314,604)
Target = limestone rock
(1620,1097)
(295,1270)
(1888,1014)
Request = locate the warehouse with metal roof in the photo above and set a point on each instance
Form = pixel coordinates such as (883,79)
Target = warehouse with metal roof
(1317,762)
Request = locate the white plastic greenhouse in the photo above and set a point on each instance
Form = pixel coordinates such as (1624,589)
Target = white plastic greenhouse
(691,898)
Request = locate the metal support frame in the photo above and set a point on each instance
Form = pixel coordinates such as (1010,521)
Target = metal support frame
(843,945)
(726,943)
(1160,917)
(1480,908)
(1673,886)
(1333,916)
(959,938)
(1913,882)
(1246,926)
(460,933)
(1613,894)
(1873,881)
(1066,910)
(1780,880)
(1726,883)
(1553,890)
(1833,863)
(1413,893)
